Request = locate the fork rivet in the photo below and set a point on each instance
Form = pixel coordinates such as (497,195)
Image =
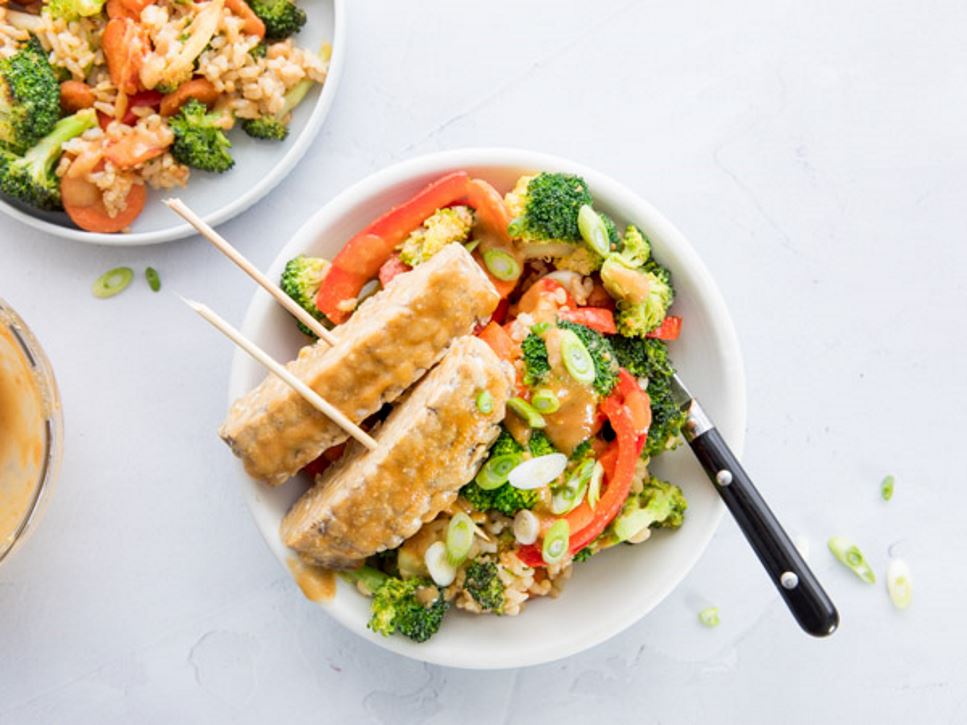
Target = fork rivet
(789,580)
(723,477)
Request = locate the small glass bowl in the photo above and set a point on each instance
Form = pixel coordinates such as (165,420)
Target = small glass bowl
(43,374)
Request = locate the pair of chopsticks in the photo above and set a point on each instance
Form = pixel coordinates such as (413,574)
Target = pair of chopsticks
(257,353)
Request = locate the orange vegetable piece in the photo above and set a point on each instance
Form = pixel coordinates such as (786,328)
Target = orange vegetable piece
(75,95)
(84,205)
(253,23)
(124,44)
(200,89)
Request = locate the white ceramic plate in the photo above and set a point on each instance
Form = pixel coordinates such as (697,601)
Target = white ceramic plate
(611,591)
(259,165)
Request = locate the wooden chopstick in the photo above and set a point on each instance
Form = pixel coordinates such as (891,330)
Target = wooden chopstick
(264,359)
(222,245)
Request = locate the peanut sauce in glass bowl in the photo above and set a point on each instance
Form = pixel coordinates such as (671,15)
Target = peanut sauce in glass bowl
(31,430)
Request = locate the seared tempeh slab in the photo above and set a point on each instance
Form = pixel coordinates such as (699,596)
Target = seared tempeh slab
(430,446)
(386,346)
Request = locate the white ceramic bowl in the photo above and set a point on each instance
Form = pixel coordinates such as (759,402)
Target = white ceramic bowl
(612,591)
(259,165)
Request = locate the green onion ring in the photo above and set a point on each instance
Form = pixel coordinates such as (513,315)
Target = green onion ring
(556,541)
(485,402)
(113,282)
(545,401)
(502,264)
(577,359)
(460,532)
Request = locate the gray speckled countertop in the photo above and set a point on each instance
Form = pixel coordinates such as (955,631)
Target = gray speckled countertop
(813,154)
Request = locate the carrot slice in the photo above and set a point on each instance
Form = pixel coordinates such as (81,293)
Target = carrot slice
(83,204)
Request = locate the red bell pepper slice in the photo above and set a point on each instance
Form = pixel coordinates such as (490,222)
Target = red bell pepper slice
(597,318)
(360,259)
(619,461)
(391,268)
(500,342)
(669,329)
(151,99)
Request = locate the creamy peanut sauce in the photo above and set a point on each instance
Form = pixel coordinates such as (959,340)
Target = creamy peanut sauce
(317,584)
(573,422)
(23,414)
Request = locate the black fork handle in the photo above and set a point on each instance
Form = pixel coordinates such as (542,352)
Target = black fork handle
(798,586)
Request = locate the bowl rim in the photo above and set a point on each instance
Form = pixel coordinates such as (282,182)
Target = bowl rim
(253,194)
(385,180)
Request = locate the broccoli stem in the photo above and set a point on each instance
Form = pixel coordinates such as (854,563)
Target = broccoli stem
(371,579)
(43,155)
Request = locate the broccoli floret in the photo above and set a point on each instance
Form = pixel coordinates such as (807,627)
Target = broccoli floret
(659,505)
(635,247)
(483,584)
(443,227)
(648,358)
(643,358)
(506,499)
(584,554)
(282,18)
(300,280)
(539,444)
(73,9)
(605,365)
(200,141)
(667,418)
(582,260)
(259,50)
(643,294)
(30,178)
(536,366)
(29,98)
(505,444)
(547,207)
(276,128)
(396,606)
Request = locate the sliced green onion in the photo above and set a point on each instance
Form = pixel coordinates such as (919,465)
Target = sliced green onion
(495,471)
(577,359)
(537,472)
(526,527)
(848,554)
(593,231)
(556,542)
(566,498)
(154,280)
(594,485)
(485,402)
(460,532)
(442,572)
(545,401)
(516,227)
(528,412)
(502,264)
(471,245)
(886,488)
(112,282)
(899,584)
(539,328)
(709,616)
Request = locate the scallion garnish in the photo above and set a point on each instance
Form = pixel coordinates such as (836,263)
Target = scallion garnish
(528,412)
(545,401)
(501,264)
(594,485)
(565,498)
(459,538)
(709,617)
(154,280)
(471,245)
(485,402)
(442,572)
(556,542)
(537,472)
(848,554)
(577,359)
(112,282)
(593,231)
(886,488)
(899,583)
(539,328)
(495,471)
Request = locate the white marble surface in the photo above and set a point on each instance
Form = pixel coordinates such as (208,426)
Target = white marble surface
(815,155)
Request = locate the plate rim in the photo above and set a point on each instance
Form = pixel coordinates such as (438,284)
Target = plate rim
(242,203)
(400,172)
